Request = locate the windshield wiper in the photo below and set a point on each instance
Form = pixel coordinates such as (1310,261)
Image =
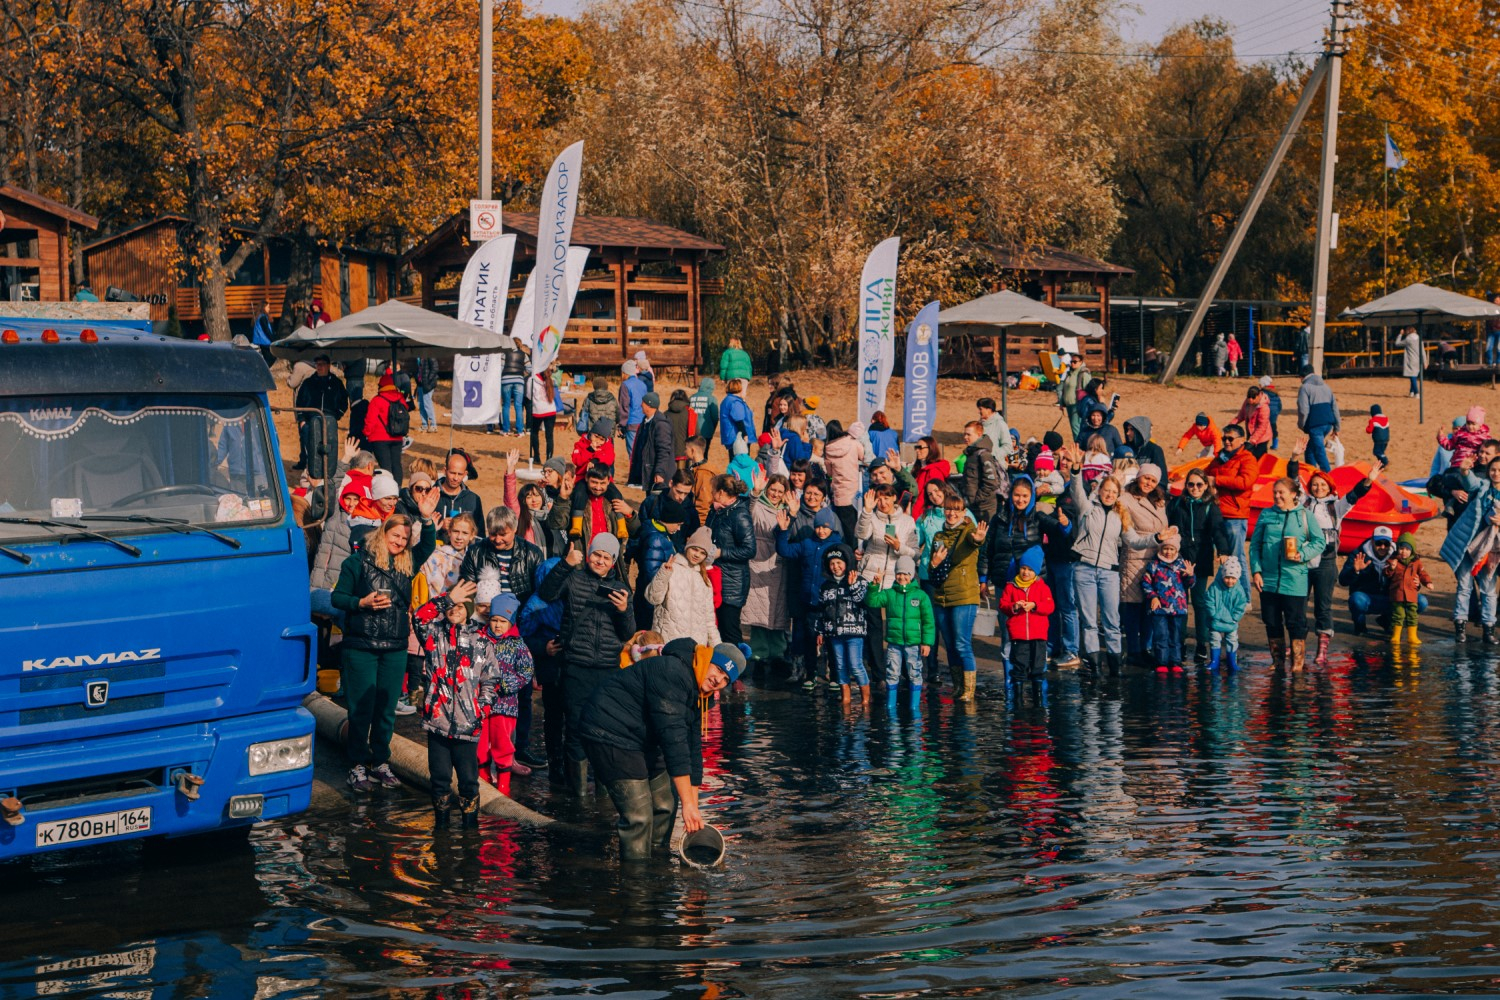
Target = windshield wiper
(74,526)
(24,559)
(170,523)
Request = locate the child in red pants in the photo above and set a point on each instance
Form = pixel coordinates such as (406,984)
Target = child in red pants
(497,747)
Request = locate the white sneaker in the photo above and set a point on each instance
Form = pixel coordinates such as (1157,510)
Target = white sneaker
(404,707)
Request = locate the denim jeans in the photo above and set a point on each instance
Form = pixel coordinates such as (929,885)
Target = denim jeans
(1315,454)
(1063,627)
(1166,639)
(630,439)
(1199,597)
(1415,384)
(1465,577)
(1492,348)
(899,658)
(956,625)
(1098,594)
(1135,622)
(1236,528)
(428,412)
(512,396)
(849,660)
(1363,604)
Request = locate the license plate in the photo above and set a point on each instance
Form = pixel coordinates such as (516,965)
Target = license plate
(100,826)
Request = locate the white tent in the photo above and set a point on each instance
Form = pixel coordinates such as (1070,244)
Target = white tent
(392,329)
(1420,303)
(1004,311)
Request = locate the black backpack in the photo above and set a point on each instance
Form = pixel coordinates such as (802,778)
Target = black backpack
(398,419)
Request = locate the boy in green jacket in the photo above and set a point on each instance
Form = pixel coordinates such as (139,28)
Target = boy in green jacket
(910,631)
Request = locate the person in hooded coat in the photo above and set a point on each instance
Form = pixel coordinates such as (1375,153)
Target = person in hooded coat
(1138,439)
(684,423)
(1317,414)
(600,404)
(765,611)
(1195,514)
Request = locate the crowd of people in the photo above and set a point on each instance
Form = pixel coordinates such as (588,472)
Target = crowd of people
(819,555)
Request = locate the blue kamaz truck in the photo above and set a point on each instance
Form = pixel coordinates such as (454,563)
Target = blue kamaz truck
(155,643)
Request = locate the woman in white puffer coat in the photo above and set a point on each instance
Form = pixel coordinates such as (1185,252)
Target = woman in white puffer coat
(683,594)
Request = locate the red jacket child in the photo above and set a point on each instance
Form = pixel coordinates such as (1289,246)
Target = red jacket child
(377,417)
(1027,588)
(593,448)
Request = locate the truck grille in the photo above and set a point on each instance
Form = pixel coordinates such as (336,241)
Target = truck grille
(67,713)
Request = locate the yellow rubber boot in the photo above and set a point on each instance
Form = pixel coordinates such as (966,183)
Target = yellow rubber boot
(1395,635)
(1411,636)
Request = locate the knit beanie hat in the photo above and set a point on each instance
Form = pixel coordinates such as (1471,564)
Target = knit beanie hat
(1052,440)
(1408,540)
(907,565)
(1150,469)
(701,539)
(1375,409)
(1201,420)
(1476,414)
(730,659)
(505,606)
(383,486)
(604,427)
(1229,569)
(826,518)
(1044,460)
(670,511)
(628,368)
(1032,559)
(652,400)
(607,543)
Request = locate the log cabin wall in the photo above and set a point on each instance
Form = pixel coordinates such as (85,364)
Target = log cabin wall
(34,235)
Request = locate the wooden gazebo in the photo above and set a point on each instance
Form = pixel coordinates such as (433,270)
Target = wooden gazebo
(34,255)
(1058,277)
(642,272)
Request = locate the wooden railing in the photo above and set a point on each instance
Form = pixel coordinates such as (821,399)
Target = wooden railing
(244,301)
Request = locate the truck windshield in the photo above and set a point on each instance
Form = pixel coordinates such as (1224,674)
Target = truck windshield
(195,459)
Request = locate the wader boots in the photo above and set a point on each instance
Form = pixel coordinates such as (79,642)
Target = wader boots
(440,806)
(1299,655)
(469,810)
(1322,658)
(968,689)
(663,813)
(632,799)
(578,779)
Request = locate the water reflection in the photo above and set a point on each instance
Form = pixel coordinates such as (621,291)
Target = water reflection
(1209,835)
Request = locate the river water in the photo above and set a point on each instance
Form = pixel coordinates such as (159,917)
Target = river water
(1203,836)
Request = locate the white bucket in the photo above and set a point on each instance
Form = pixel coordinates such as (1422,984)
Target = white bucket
(987,622)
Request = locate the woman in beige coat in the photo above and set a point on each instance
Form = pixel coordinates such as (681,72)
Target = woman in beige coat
(765,613)
(1146,502)
(683,595)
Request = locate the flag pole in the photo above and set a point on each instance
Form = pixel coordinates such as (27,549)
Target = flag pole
(1385,239)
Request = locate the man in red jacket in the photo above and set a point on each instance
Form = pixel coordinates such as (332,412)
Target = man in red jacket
(384,429)
(1234,472)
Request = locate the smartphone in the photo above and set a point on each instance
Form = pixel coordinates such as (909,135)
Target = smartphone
(383,592)
(605,590)
(890,530)
(1114,401)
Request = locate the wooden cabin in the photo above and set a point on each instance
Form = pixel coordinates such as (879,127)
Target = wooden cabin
(146,262)
(1057,277)
(648,273)
(34,256)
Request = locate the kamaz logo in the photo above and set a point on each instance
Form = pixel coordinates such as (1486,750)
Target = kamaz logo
(94,660)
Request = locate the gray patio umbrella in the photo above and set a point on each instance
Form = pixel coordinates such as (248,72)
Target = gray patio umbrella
(1002,311)
(1418,303)
(1415,305)
(392,329)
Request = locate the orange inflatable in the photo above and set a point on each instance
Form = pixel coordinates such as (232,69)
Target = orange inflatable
(1387,503)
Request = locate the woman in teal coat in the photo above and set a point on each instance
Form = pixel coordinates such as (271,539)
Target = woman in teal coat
(1287,538)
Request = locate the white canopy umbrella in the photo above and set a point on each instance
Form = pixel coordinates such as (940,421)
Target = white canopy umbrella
(1003,311)
(1419,303)
(1414,305)
(392,329)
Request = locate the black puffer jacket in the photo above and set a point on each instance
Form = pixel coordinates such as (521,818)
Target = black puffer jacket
(1202,529)
(388,629)
(734,534)
(524,560)
(593,630)
(657,456)
(1012,532)
(652,705)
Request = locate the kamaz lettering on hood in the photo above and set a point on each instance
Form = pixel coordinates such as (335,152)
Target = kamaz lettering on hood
(91,660)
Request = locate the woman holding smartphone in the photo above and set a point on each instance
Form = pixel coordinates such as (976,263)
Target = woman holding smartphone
(374,592)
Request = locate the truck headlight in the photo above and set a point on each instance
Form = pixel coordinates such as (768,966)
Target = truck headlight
(280,755)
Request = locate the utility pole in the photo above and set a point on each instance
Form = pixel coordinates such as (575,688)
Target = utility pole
(1333,55)
(486,97)
(1326,71)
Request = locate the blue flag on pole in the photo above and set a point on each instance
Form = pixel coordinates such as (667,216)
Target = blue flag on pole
(919,408)
(1393,158)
